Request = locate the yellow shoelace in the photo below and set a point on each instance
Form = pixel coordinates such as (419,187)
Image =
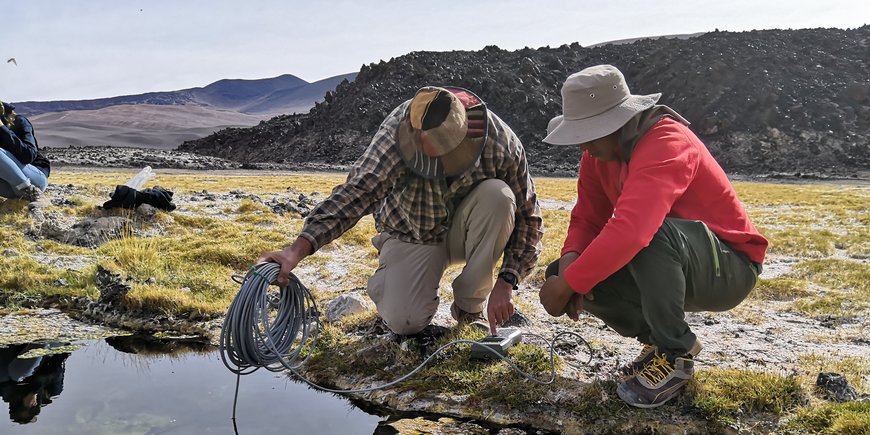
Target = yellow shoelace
(647,348)
(657,370)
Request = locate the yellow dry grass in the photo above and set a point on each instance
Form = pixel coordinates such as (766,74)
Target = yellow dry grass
(184,265)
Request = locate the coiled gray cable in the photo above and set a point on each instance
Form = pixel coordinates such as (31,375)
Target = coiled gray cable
(250,340)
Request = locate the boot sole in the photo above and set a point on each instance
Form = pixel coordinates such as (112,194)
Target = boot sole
(640,405)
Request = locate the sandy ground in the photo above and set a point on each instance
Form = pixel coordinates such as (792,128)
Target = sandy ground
(139,125)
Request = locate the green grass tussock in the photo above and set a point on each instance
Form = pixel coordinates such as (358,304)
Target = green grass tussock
(852,418)
(723,394)
(780,289)
(801,242)
(838,274)
(847,285)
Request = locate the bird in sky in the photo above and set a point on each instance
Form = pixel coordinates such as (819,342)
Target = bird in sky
(12,60)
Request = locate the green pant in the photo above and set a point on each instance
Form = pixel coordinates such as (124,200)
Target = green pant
(684,268)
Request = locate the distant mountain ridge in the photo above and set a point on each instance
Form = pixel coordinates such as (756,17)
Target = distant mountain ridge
(166,119)
(762,101)
(272,96)
(630,40)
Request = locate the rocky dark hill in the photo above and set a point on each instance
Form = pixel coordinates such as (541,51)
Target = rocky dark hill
(763,101)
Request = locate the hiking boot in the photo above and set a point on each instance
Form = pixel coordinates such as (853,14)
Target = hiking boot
(476,320)
(648,353)
(659,381)
(30,193)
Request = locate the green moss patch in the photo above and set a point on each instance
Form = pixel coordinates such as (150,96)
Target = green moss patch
(851,418)
(724,394)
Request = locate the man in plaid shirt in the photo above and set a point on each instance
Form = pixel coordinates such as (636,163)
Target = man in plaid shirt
(448,182)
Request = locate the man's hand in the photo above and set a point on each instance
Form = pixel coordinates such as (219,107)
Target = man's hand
(575,305)
(555,295)
(500,307)
(288,258)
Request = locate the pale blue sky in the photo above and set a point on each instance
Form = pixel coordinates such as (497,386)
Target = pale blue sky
(101,48)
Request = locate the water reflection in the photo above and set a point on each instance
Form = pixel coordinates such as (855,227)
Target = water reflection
(150,345)
(30,380)
(147,385)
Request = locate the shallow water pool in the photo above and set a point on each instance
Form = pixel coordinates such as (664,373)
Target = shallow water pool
(136,385)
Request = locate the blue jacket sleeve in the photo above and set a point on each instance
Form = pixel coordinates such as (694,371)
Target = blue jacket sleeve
(19,140)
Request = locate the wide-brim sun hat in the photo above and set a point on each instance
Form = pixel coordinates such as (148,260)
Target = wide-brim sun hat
(554,123)
(595,103)
(443,131)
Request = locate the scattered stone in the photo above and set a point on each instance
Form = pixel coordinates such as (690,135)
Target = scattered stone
(831,321)
(298,203)
(127,157)
(110,286)
(151,280)
(422,425)
(146,211)
(63,202)
(208,196)
(709,321)
(347,305)
(517,320)
(60,282)
(835,387)
(94,232)
(10,253)
(89,232)
(241,194)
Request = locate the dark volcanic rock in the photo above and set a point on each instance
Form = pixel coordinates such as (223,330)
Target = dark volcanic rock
(835,387)
(127,157)
(110,285)
(763,101)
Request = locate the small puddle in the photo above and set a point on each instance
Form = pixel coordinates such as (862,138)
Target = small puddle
(139,385)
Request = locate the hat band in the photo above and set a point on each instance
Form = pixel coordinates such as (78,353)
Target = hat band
(599,113)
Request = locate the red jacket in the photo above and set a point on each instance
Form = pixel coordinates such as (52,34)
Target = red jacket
(620,206)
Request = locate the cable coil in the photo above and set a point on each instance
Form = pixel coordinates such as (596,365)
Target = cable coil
(250,339)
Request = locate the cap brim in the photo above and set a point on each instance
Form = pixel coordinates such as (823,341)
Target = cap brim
(577,131)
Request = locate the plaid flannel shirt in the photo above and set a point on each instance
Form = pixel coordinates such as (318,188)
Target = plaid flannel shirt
(419,210)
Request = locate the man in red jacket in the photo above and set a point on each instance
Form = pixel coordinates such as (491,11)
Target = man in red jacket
(657,230)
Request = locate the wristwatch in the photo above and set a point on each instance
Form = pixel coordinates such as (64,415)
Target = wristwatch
(509,278)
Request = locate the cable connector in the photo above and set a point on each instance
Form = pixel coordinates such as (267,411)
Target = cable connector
(491,346)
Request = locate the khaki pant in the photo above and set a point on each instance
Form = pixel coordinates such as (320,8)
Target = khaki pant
(405,285)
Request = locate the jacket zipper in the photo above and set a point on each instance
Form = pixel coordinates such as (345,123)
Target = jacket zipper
(713,246)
